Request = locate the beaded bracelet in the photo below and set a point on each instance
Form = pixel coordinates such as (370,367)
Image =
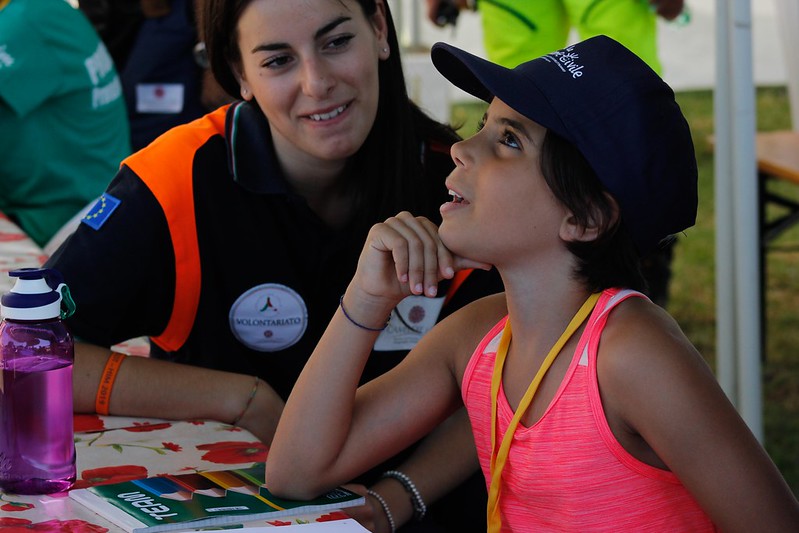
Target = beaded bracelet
(419,507)
(249,401)
(392,526)
(103,398)
(352,320)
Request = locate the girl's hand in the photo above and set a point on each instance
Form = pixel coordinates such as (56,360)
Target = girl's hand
(404,255)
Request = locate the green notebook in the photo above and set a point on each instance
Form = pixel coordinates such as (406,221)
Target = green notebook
(192,500)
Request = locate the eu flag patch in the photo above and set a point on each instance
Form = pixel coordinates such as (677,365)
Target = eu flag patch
(98,214)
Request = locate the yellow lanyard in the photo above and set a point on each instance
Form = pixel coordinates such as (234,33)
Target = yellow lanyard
(499,457)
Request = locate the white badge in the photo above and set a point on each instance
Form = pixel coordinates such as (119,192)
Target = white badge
(268,317)
(412,318)
(159,98)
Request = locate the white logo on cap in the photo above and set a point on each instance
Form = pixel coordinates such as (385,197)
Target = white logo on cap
(268,317)
(566,60)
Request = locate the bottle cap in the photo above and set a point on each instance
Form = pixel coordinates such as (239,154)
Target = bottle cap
(38,294)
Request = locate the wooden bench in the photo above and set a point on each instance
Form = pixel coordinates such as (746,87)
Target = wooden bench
(777,155)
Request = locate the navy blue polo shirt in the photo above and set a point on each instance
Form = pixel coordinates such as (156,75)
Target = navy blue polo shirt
(272,272)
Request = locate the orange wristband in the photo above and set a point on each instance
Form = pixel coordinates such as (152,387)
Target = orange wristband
(103,398)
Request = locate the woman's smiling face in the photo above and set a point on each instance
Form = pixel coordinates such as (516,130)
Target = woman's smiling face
(312,67)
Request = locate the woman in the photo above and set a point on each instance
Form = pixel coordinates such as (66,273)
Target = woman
(590,409)
(229,240)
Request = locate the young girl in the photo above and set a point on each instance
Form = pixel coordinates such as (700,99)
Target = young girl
(590,409)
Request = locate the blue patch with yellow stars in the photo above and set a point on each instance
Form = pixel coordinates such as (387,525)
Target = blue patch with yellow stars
(98,214)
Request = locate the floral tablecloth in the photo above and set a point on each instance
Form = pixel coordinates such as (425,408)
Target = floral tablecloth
(111,449)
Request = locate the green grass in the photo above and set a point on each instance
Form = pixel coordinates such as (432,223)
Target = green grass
(692,290)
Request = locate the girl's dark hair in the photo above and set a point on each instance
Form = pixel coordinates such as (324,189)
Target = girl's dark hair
(386,175)
(611,260)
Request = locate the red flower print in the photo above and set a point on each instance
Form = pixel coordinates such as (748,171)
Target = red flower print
(141,427)
(331,517)
(51,526)
(9,237)
(231,453)
(16,506)
(198,422)
(7,524)
(109,474)
(85,423)
(171,446)
(278,523)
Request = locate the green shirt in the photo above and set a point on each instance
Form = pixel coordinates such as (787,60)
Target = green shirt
(517,31)
(63,122)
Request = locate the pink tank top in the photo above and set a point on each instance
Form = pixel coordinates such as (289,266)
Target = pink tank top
(567,472)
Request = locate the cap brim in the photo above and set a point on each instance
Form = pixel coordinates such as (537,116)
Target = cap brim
(486,80)
(464,70)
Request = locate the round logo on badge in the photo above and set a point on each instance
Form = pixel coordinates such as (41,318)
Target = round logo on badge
(268,317)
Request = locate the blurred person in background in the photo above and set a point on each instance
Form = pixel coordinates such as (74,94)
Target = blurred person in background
(161,60)
(63,126)
(515,32)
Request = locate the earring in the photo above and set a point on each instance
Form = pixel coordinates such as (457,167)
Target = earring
(385,50)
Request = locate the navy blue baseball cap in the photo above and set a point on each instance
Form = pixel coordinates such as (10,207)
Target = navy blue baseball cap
(615,109)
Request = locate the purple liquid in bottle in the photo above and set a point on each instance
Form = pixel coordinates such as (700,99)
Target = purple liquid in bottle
(37,427)
(37,451)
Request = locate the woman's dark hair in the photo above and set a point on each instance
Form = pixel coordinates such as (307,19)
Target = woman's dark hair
(611,260)
(386,175)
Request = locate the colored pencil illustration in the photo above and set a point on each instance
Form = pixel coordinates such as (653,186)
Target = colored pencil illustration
(228,481)
(250,477)
(163,488)
(197,484)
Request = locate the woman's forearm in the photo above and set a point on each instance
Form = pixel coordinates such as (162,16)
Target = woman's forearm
(162,389)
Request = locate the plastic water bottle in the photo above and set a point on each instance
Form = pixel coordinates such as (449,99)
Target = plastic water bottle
(37,448)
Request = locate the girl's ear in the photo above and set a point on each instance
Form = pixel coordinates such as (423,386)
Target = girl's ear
(598,221)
